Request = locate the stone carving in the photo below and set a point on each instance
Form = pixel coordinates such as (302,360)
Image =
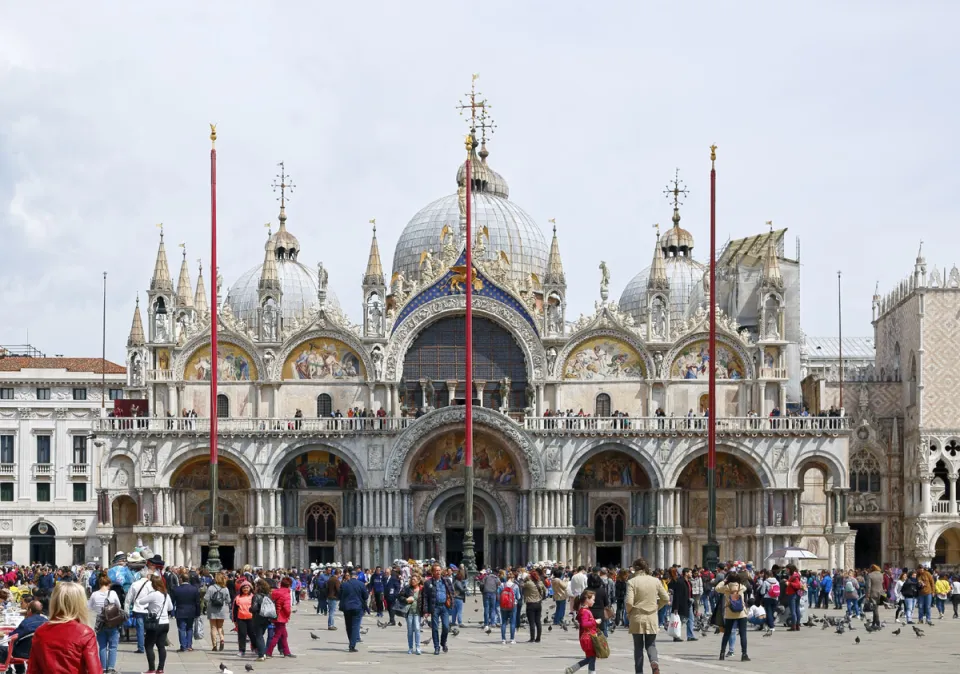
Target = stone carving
(136,370)
(664,449)
(374,316)
(658,317)
(551,457)
(953,281)
(376,355)
(24,412)
(161,332)
(503,427)
(554,319)
(120,478)
(149,462)
(270,321)
(779,457)
(863,503)
(488,489)
(604,281)
(551,359)
(923,461)
(920,535)
(6,525)
(61,412)
(895,533)
(375,457)
(658,364)
(79,524)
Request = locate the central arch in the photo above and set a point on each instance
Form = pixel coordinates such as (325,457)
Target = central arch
(442,513)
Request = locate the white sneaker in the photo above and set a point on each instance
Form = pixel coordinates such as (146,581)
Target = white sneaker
(513,642)
(504,642)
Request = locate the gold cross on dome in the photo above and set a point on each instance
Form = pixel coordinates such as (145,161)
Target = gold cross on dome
(477,105)
(284,185)
(678,192)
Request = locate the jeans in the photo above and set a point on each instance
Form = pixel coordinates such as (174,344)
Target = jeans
(508,617)
(924,601)
(941,605)
(707,605)
(838,596)
(108,640)
(741,624)
(534,610)
(185,632)
(908,604)
(793,604)
(561,612)
(759,622)
(158,638)
(853,607)
(690,623)
(351,617)
(331,611)
(413,632)
(279,639)
(440,619)
(489,608)
(770,606)
(457,617)
(139,621)
(589,663)
(641,643)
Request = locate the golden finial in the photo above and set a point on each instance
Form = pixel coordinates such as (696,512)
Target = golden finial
(713,155)
(160,226)
(184,247)
(656,226)
(269,227)
(373,221)
(469,143)
(213,135)
(770,225)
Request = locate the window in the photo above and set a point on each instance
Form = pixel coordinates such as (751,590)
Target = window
(79,394)
(6,493)
(223,406)
(80,449)
(79,553)
(321,523)
(602,406)
(116,394)
(864,472)
(608,524)
(6,549)
(43,394)
(324,405)
(43,491)
(6,394)
(6,449)
(43,449)
(80,492)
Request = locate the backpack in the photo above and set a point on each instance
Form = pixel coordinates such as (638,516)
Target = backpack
(111,615)
(216,599)
(736,602)
(508,600)
(774,591)
(267,608)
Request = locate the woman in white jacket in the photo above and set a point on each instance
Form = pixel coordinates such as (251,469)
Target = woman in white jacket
(158,605)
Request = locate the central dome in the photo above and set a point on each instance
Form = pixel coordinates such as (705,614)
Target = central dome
(511,230)
(686,289)
(299,285)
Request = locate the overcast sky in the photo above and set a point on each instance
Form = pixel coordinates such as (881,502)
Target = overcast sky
(839,123)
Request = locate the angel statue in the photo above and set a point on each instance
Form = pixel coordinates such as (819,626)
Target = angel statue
(604,281)
(397,285)
(448,246)
(427,270)
(479,246)
(321,276)
(462,202)
(503,267)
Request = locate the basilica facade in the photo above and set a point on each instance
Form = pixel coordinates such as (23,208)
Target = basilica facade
(342,441)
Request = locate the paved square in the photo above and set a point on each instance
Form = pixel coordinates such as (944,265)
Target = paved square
(811,651)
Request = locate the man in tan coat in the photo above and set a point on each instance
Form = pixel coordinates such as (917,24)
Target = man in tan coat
(645,596)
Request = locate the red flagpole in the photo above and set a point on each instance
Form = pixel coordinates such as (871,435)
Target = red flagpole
(711,552)
(213,556)
(469,554)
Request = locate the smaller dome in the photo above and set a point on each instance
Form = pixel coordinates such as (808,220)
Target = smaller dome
(677,240)
(482,177)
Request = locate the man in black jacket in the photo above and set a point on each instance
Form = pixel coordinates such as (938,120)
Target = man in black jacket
(682,589)
(436,600)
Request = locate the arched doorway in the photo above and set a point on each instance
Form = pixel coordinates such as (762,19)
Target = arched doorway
(320,523)
(739,497)
(124,517)
(454,525)
(43,548)
(191,485)
(613,473)
(814,484)
(947,549)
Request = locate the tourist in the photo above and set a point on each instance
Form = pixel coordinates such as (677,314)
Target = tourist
(411,597)
(909,591)
(600,599)
(875,593)
(108,638)
(333,597)
(587,627)
(353,600)
(925,596)
(794,591)
(243,617)
(955,596)
(459,597)
(156,622)
(65,644)
(320,590)
(578,583)
(186,608)
(33,618)
(534,592)
(734,611)
(941,590)
(218,610)
(644,599)
(438,594)
(375,586)
(507,596)
(281,599)
(260,622)
(682,604)
(391,591)
(559,586)
(489,586)
(770,591)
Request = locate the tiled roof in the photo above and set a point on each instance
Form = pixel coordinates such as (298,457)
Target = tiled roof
(829,347)
(17,363)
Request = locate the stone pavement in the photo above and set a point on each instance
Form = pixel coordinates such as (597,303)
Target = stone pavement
(385,650)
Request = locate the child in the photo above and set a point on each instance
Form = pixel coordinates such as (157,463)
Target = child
(588,627)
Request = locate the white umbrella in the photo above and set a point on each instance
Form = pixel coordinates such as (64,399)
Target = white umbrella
(792,553)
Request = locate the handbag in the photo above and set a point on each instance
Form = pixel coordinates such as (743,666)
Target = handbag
(151,623)
(609,613)
(600,646)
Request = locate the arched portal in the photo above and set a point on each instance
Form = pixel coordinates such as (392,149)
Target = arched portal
(124,516)
(947,548)
(441,460)
(43,549)
(739,497)
(320,524)
(814,483)
(609,522)
(445,513)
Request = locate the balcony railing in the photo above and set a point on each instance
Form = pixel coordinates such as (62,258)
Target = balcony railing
(638,425)
(160,375)
(941,506)
(774,373)
(197,425)
(43,470)
(8,469)
(79,470)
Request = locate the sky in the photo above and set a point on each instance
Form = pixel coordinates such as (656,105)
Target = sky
(835,120)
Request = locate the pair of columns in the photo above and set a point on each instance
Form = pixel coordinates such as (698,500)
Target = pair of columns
(551,509)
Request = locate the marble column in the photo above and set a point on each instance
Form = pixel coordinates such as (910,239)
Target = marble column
(661,562)
(952,492)
(259,556)
(258,510)
(925,481)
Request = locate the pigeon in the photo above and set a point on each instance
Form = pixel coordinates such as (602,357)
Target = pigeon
(454,631)
(476,610)
(550,628)
(367,629)
(918,631)
(487,629)
(222,666)
(224,670)
(312,636)
(768,633)
(896,632)
(857,640)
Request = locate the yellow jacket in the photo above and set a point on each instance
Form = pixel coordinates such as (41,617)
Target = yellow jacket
(942,586)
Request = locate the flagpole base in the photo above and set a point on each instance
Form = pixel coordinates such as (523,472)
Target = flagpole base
(711,555)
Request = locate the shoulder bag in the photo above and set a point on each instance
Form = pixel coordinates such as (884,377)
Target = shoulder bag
(151,623)
(600,645)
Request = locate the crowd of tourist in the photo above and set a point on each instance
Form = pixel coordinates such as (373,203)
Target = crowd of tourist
(74,618)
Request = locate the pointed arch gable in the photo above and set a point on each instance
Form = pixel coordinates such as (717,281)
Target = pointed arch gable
(185,364)
(599,446)
(294,345)
(686,345)
(280,459)
(200,449)
(747,454)
(628,348)
(433,310)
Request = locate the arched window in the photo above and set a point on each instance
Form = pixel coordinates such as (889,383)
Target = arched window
(608,524)
(324,405)
(864,472)
(223,406)
(321,523)
(602,408)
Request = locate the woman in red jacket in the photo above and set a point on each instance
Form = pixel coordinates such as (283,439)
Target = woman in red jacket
(281,597)
(65,644)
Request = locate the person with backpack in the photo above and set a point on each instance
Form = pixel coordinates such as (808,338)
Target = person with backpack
(106,606)
(218,600)
(734,611)
(507,595)
(264,610)
(794,591)
(851,595)
(770,591)
(282,601)
(320,592)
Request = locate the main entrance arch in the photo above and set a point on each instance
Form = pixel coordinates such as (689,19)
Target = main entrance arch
(43,548)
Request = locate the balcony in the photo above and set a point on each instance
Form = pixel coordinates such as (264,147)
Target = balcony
(80,470)
(685,425)
(8,470)
(43,470)
(774,373)
(159,375)
(260,426)
(942,507)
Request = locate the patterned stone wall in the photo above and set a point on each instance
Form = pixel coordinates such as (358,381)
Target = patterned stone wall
(941,379)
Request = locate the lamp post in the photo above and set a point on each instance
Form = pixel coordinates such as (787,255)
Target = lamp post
(213,556)
(711,550)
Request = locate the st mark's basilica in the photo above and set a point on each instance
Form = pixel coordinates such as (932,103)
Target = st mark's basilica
(345,442)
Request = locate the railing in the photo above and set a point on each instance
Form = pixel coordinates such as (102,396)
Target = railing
(160,375)
(8,469)
(331,426)
(941,506)
(42,469)
(614,425)
(774,373)
(79,470)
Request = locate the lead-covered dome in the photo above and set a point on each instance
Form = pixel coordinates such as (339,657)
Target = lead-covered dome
(299,285)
